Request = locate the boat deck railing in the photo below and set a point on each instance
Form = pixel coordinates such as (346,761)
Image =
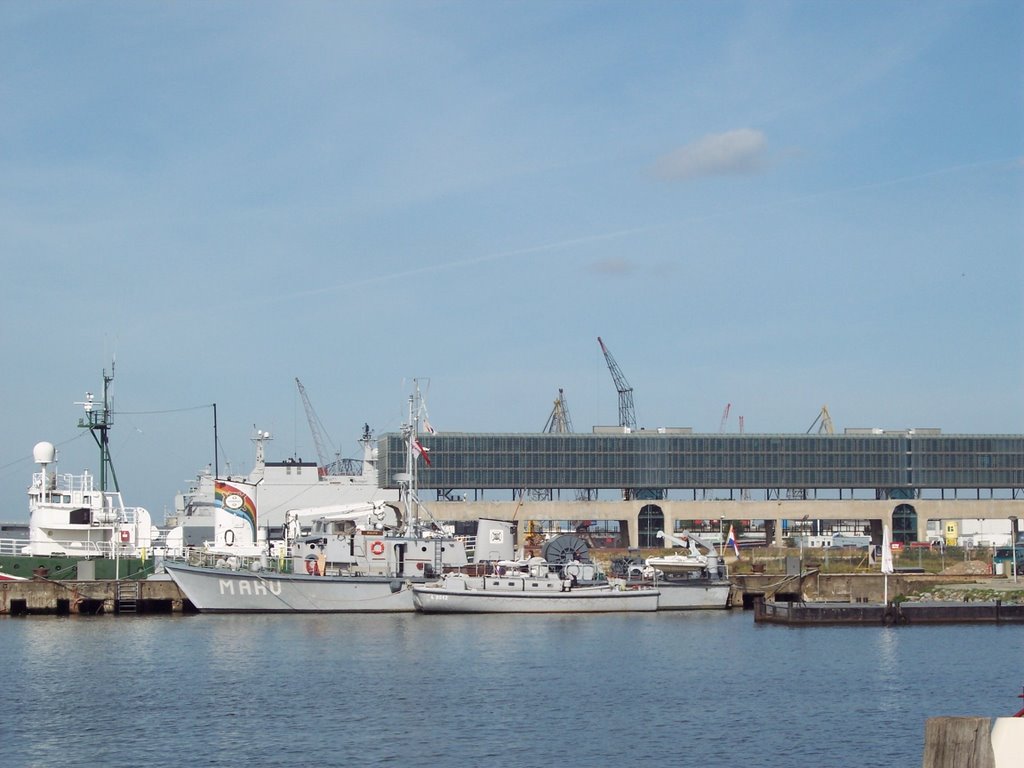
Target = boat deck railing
(206,559)
(77,548)
(12,546)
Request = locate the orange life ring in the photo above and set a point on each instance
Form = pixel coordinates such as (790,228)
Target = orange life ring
(377,547)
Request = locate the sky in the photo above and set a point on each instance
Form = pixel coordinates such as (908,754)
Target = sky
(771,205)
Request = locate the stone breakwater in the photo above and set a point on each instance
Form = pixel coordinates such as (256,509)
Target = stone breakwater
(972,593)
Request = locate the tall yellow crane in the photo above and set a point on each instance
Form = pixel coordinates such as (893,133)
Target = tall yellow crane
(559,421)
(823,422)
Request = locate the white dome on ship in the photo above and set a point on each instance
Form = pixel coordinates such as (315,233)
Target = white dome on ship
(44,453)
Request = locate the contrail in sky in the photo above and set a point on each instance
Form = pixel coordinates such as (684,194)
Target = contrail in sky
(527,251)
(614,234)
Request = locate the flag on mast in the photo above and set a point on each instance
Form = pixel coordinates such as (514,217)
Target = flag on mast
(731,541)
(420,450)
(428,427)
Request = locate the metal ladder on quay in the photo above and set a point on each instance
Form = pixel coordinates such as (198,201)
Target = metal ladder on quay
(128,591)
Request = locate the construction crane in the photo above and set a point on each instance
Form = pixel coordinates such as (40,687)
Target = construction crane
(559,421)
(627,416)
(316,427)
(627,420)
(823,422)
(725,417)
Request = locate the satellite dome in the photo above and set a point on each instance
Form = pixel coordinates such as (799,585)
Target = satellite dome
(44,453)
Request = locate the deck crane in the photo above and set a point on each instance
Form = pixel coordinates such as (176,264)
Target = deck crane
(627,416)
(316,427)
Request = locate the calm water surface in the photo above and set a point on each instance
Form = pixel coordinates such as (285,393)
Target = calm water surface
(708,689)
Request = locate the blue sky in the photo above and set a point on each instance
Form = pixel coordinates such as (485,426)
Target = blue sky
(774,205)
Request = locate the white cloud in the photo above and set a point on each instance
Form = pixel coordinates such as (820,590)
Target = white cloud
(742,151)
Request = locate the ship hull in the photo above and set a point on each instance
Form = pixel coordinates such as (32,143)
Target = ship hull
(429,599)
(694,596)
(220,590)
(61,568)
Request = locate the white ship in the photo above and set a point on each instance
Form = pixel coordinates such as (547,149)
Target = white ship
(240,514)
(339,558)
(79,526)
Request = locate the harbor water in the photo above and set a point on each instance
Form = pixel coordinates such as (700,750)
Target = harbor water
(705,689)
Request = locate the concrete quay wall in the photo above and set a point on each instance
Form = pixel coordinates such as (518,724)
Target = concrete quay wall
(813,586)
(66,598)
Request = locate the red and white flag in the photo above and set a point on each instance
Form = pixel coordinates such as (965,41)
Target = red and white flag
(430,429)
(731,541)
(421,451)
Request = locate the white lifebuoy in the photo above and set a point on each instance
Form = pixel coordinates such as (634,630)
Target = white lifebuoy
(377,548)
(229,541)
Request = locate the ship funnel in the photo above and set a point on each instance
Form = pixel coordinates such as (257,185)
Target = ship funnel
(44,453)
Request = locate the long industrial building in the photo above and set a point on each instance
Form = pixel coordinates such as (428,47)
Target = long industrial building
(639,482)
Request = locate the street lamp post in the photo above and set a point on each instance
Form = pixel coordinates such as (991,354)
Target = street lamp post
(1013,546)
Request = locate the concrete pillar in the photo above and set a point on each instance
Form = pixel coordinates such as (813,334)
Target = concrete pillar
(633,524)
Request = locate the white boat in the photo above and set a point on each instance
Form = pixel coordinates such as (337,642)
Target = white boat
(79,525)
(341,558)
(688,562)
(685,588)
(531,586)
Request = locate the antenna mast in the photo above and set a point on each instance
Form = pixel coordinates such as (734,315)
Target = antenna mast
(98,420)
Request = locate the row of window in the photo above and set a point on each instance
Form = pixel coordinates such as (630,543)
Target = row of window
(611,461)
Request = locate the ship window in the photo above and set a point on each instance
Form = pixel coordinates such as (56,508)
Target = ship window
(79,516)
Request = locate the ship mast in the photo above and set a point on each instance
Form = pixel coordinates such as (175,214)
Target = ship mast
(413,449)
(98,420)
(409,433)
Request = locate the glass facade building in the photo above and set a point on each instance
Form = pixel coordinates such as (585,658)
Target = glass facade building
(900,463)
